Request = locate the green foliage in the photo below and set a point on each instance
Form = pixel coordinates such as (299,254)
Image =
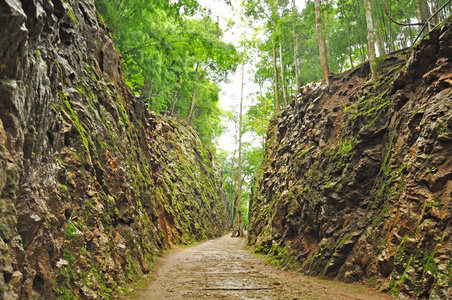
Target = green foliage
(173,59)
(71,232)
(103,288)
(251,161)
(346,146)
(84,136)
(258,116)
(64,289)
(277,24)
(281,257)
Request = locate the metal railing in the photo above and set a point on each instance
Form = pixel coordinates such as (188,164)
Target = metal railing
(429,24)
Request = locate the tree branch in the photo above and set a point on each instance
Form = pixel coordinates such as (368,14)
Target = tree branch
(395,21)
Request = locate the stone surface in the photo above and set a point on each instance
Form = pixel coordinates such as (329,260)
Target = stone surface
(224,269)
(356,181)
(92,185)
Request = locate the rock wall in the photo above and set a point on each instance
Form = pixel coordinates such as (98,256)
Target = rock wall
(92,185)
(356,181)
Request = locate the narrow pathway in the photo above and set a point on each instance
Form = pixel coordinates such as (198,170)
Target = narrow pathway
(224,269)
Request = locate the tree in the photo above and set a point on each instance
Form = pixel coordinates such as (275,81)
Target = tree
(193,98)
(371,40)
(343,11)
(174,61)
(269,9)
(424,12)
(275,69)
(233,197)
(258,115)
(321,42)
(281,62)
(238,230)
(175,94)
(283,80)
(295,48)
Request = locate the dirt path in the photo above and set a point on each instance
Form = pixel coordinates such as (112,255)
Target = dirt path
(224,269)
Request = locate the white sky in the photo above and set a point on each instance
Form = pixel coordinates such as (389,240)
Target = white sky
(230,94)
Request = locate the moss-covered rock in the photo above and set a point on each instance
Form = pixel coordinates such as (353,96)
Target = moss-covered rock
(93,186)
(356,181)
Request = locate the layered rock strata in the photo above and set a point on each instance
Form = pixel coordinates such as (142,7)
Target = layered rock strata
(356,181)
(92,185)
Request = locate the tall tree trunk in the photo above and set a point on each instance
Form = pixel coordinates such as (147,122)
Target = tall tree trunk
(328,36)
(193,98)
(238,230)
(357,11)
(434,9)
(380,42)
(321,41)
(147,89)
(281,64)
(283,80)
(233,208)
(175,95)
(295,49)
(297,65)
(391,38)
(424,13)
(192,105)
(275,69)
(371,39)
(385,31)
(348,35)
(262,119)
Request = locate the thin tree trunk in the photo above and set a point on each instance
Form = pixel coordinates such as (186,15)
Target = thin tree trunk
(281,64)
(362,47)
(192,105)
(371,40)
(380,42)
(262,118)
(233,209)
(385,32)
(391,32)
(275,68)
(328,36)
(262,128)
(175,95)
(195,109)
(434,8)
(295,49)
(147,89)
(321,41)
(391,38)
(356,8)
(238,230)
(348,35)
(283,81)
(424,11)
(297,65)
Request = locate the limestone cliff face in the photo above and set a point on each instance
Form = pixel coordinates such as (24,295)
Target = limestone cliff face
(92,185)
(356,181)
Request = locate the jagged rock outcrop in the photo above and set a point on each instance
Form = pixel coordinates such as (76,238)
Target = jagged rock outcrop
(356,181)
(92,185)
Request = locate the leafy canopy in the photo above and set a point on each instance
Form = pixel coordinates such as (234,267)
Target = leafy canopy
(174,57)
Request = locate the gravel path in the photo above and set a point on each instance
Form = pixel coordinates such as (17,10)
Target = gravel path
(224,269)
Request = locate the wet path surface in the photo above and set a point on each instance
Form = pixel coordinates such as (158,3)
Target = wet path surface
(224,269)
